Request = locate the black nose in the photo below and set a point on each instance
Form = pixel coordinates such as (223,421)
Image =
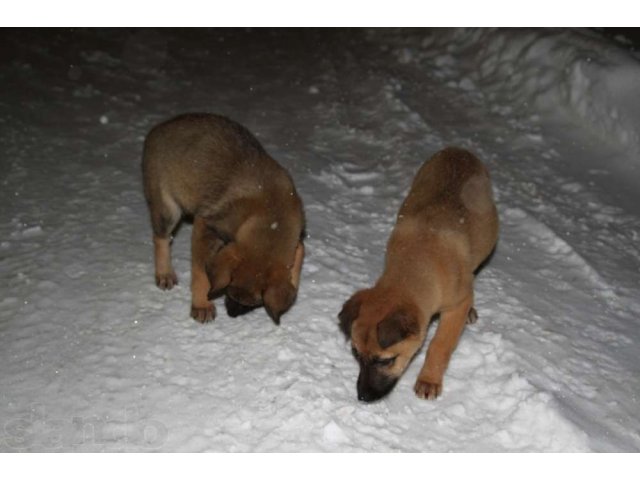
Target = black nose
(368,396)
(372,385)
(363,397)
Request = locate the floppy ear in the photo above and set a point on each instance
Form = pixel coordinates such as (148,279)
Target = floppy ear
(220,267)
(280,293)
(297,265)
(350,311)
(278,298)
(396,326)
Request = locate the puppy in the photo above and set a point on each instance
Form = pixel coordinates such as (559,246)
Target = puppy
(247,217)
(446,227)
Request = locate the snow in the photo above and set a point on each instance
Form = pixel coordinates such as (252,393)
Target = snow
(93,357)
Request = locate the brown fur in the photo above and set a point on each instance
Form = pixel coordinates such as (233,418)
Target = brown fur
(446,227)
(247,217)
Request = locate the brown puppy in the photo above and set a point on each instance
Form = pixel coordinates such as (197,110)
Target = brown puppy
(446,227)
(247,217)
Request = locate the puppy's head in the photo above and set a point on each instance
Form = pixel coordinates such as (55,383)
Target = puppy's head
(384,338)
(252,280)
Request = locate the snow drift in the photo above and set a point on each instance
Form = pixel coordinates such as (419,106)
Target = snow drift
(572,72)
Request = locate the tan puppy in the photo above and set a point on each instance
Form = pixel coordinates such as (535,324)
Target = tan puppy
(446,227)
(248,220)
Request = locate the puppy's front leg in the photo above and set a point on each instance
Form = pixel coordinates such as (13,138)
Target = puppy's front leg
(202,242)
(451,324)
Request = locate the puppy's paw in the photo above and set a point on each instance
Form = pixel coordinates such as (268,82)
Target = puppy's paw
(203,314)
(427,390)
(473,316)
(166,281)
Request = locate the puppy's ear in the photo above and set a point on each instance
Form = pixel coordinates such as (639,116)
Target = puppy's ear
(278,298)
(220,267)
(350,311)
(297,265)
(396,326)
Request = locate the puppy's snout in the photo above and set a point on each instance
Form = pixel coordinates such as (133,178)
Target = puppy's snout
(244,297)
(367,397)
(373,385)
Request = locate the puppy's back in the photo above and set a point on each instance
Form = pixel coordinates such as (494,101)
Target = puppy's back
(195,158)
(452,194)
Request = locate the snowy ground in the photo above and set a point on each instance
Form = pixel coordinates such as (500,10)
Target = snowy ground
(93,357)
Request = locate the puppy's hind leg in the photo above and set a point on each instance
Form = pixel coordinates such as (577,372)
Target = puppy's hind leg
(165,216)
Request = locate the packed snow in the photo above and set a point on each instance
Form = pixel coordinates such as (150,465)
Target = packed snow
(93,357)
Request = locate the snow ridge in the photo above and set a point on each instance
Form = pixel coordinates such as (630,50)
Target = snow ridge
(576,73)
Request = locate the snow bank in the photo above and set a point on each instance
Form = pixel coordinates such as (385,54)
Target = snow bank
(560,71)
